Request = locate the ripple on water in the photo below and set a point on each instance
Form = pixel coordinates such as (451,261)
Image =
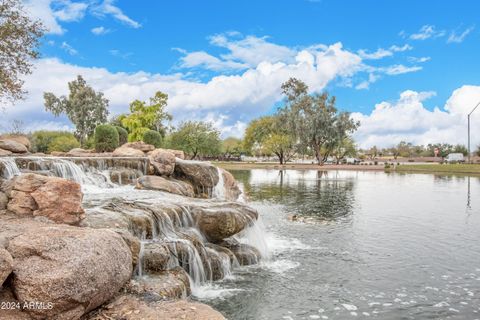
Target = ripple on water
(280,266)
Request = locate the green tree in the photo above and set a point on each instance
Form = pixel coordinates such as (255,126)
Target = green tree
(84,107)
(42,139)
(460,148)
(268,136)
(313,120)
(146,116)
(346,148)
(256,132)
(196,138)
(232,147)
(19,42)
(280,145)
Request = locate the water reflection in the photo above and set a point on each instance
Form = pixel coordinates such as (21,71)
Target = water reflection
(320,194)
(395,247)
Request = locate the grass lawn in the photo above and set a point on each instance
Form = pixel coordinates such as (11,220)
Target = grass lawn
(440,168)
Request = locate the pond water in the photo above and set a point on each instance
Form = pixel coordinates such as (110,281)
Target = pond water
(371,245)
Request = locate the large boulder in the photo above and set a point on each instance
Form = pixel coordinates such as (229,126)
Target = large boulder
(177,153)
(58,199)
(131,307)
(6,265)
(74,269)
(162,161)
(13,146)
(127,152)
(202,175)
(139,145)
(167,185)
(223,220)
(17,138)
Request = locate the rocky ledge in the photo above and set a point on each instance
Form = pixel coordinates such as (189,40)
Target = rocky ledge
(121,258)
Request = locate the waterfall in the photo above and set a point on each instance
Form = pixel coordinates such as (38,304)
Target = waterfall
(254,236)
(219,189)
(10,168)
(173,225)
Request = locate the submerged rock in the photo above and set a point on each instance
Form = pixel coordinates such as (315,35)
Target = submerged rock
(13,146)
(75,269)
(163,161)
(167,185)
(58,199)
(130,307)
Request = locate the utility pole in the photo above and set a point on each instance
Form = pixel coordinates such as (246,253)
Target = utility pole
(469,151)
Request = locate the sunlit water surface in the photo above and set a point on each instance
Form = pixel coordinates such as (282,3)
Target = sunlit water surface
(372,245)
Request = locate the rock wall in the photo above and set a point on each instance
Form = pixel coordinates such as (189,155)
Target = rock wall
(52,250)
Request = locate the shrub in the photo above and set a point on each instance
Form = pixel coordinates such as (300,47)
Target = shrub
(122,135)
(153,137)
(63,143)
(106,138)
(41,139)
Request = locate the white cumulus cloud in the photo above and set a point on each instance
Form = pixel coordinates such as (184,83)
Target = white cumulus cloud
(407,119)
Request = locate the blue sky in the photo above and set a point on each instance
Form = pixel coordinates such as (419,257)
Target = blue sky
(391,63)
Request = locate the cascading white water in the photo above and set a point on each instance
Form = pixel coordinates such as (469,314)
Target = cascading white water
(254,236)
(175,228)
(225,262)
(10,168)
(219,189)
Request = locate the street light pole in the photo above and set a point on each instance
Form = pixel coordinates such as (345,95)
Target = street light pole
(469,152)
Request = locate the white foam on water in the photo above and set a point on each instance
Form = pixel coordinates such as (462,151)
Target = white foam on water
(280,244)
(349,307)
(255,235)
(279,266)
(210,291)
